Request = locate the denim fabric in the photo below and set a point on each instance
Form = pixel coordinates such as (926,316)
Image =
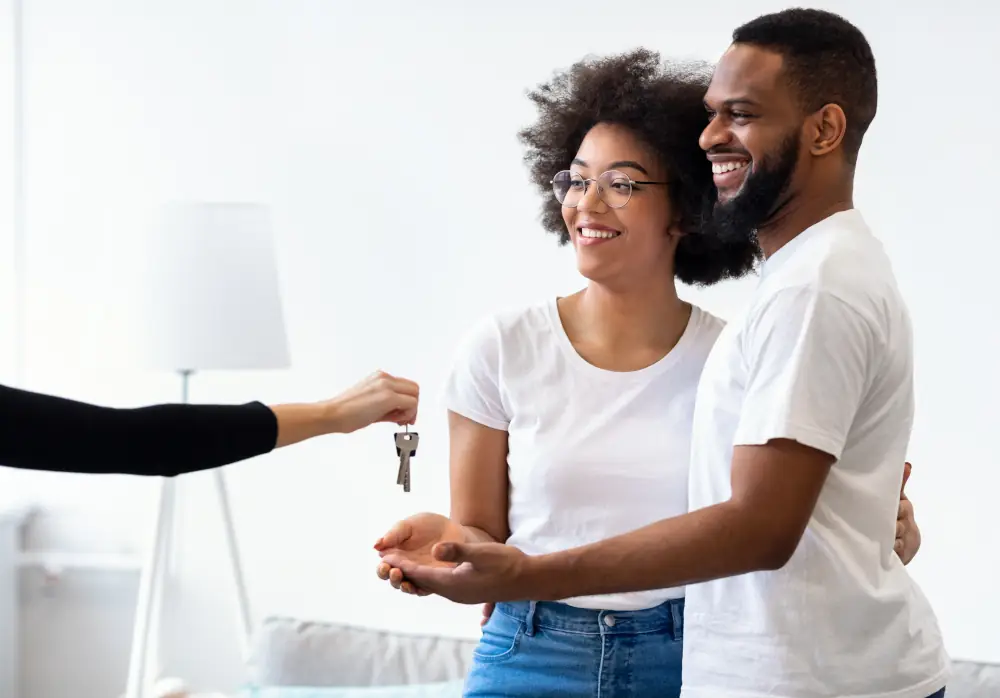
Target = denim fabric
(548,649)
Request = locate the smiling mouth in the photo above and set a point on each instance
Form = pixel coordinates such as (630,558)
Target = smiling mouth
(595,234)
(721,168)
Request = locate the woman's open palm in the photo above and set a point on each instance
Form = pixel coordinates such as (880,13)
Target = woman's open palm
(416,537)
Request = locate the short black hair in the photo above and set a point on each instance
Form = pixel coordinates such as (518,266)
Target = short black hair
(827,60)
(663,105)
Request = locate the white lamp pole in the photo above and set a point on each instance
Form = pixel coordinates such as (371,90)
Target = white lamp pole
(214,304)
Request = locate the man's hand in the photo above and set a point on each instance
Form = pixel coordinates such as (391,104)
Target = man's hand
(468,573)
(907,532)
(414,538)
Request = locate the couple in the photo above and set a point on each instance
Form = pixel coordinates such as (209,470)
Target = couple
(633,482)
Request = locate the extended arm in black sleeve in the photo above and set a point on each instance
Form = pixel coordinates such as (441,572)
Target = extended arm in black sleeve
(42,432)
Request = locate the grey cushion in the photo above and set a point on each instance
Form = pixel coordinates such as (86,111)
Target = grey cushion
(974,680)
(291,652)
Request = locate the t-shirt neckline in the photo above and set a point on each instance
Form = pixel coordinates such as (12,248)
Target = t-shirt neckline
(675,354)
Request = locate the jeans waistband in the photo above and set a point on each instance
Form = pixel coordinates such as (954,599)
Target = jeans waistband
(667,616)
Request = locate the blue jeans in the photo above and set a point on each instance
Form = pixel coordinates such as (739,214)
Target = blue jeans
(535,649)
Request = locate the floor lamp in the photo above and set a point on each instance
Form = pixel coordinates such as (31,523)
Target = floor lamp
(214,304)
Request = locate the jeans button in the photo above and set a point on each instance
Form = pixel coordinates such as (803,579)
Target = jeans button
(609,621)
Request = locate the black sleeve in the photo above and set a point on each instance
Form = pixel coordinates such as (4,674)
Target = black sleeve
(42,432)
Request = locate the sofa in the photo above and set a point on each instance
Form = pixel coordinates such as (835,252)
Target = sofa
(296,658)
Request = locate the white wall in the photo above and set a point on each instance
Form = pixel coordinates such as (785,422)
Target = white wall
(368,128)
(7,279)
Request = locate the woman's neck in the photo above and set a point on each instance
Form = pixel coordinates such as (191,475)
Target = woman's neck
(625,330)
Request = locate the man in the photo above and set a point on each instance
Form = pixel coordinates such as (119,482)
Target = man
(803,415)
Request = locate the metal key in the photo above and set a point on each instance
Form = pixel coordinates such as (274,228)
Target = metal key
(406,448)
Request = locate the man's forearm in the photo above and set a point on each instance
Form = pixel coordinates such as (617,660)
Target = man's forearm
(718,541)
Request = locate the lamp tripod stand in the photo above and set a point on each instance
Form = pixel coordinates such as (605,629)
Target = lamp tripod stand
(152,581)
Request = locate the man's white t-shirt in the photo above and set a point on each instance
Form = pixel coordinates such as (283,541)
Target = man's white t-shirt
(823,356)
(592,453)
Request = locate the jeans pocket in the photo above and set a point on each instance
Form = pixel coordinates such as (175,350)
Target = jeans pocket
(501,637)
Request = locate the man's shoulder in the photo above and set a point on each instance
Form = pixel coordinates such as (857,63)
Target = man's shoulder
(843,261)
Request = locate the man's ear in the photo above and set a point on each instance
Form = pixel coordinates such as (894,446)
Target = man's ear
(829,127)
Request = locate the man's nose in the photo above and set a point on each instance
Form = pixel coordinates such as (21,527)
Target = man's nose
(714,135)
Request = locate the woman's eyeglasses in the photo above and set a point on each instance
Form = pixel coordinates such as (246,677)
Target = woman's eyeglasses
(614,188)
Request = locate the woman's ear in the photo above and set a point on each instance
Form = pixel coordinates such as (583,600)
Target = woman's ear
(675,230)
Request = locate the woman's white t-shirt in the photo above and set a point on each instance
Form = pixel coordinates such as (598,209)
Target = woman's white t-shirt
(592,453)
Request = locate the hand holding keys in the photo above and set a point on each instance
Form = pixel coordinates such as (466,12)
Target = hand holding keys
(406,448)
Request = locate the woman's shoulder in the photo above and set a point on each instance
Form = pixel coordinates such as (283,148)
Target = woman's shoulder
(516,323)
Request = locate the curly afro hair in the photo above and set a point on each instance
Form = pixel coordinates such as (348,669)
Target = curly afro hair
(662,104)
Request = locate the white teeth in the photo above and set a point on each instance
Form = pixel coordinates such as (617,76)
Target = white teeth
(591,233)
(723,167)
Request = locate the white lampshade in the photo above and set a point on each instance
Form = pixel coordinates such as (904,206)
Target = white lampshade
(214,300)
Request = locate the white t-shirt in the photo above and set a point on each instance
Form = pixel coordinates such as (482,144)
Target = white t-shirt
(592,453)
(824,356)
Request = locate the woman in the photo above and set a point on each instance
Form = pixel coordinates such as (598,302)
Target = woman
(570,420)
(42,432)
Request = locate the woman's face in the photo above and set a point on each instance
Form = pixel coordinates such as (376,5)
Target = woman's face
(621,246)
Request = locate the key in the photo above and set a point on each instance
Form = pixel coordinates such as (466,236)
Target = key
(406,448)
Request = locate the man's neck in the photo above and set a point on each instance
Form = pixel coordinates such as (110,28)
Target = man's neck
(799,215)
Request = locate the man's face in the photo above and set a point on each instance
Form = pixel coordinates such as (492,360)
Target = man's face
(753,140)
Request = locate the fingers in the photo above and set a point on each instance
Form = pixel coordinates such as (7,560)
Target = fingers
(449,552)
(392,558)
(397,397)
(487,612)
(400,409)
(396,536)
(903,518)
(395,384)
(458,553)
(907,467)
(396,578)
(905,510)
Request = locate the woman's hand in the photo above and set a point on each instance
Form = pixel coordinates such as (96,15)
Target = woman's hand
(414,538)
(907,532)
(378,398)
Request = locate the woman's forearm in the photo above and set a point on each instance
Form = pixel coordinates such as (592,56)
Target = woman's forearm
(478,535)
(300,422)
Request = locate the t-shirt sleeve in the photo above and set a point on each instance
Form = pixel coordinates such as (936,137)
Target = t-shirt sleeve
(809,356)
(472,388)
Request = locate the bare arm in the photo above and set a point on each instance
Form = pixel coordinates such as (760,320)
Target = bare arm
(378,398)
(479,483)
(775,488)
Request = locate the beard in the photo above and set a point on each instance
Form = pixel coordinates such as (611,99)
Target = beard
(760,197)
